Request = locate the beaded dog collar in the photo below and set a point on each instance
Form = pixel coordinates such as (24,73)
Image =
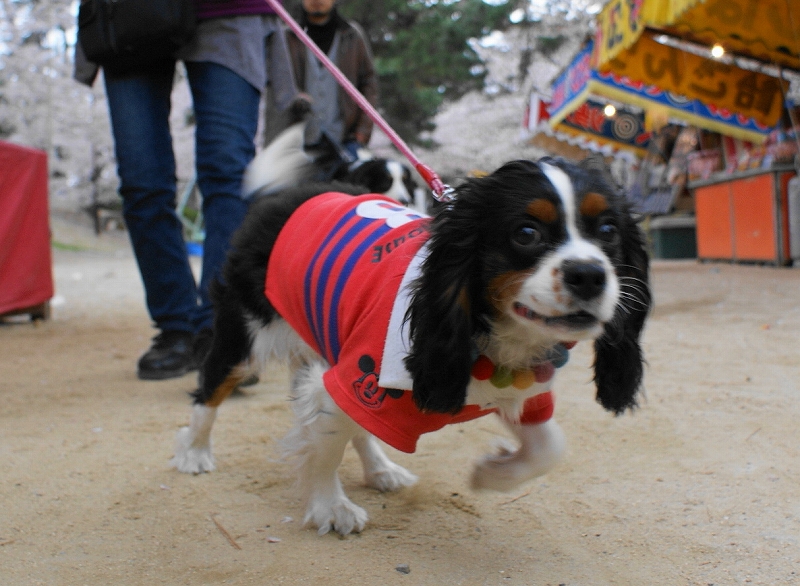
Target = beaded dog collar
(501,377)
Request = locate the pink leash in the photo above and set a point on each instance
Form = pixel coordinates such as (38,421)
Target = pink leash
(441,191)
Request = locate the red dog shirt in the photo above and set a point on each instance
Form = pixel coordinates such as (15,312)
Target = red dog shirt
(338,276)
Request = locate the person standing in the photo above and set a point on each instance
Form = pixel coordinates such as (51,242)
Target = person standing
(333,111)
(226,64)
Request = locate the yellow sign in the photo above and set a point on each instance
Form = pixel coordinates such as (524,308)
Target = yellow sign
(723,86)
(767,30)
(618,26)
(621,23)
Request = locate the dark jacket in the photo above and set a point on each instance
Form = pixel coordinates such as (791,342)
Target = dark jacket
(354,59)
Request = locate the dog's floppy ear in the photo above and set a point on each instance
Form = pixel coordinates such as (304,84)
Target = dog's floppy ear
(441,315)
(619,361)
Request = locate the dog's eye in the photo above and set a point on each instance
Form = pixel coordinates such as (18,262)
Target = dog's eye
(527,236)
(608,230)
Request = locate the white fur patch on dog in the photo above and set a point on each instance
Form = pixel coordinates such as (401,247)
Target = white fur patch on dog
(277,341)
(398,189)
(541,447)
(282,164)
(316,444)
(193,443)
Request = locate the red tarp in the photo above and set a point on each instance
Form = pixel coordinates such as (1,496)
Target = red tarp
(26,275)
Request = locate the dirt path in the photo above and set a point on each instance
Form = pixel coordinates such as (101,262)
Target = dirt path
(700,486)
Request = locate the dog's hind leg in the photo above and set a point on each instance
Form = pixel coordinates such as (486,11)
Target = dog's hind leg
(317,443)
(224,368)
(379,471)
(193,443)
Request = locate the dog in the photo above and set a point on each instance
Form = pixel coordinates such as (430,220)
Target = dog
(394,324)
(286,162)
(386,176)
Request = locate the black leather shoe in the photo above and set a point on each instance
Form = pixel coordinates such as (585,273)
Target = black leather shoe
(170,356)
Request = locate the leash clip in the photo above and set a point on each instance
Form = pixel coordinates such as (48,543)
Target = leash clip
(441,192)
(446,195)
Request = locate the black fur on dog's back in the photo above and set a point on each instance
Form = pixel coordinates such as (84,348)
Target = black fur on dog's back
(246,266)
(239,295)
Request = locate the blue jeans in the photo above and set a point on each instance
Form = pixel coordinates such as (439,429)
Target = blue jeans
(226,113)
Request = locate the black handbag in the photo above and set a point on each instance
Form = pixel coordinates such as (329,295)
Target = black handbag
(123,35)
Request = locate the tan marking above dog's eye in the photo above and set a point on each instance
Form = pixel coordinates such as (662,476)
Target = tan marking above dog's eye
(593,204)
(543,210)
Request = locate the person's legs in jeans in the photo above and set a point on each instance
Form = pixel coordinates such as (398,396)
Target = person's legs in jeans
(139,105)
(226,111)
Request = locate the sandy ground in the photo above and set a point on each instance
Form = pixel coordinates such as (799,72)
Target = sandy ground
(699,486)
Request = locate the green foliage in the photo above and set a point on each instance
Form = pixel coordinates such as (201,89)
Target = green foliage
(548,45)
(423,55)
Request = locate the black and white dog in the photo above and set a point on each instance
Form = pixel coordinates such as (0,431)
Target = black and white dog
(395,324)
(286,162)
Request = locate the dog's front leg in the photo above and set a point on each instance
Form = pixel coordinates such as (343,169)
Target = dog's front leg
(317,442)
(541,447)
(328,506)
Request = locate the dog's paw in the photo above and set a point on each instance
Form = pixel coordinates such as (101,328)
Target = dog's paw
(191,459)
(389,477)
(340,515)
(503,472)
(542,447)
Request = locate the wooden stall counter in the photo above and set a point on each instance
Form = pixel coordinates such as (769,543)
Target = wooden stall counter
(744,216)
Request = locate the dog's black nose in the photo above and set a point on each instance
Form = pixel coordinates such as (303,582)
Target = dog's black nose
(585,280)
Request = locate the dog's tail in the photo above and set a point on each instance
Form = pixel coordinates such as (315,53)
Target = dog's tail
(284,163)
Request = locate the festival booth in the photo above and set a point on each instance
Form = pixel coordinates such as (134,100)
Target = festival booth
(580,82)
(647,41)
(738,172)
(714,121)
(588,128)
(26,277)
(582,93)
